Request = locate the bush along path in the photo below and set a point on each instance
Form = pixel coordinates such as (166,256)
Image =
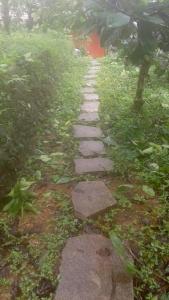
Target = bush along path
(91,269)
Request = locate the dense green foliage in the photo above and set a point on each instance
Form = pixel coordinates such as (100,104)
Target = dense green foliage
(139,147)
(33,14)
(31,71)
(144,137)
(139,27)
(38,218)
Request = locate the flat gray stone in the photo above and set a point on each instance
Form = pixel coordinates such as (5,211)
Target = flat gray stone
(81,131)
(91,198)
(90,106)
(90,76)
(93,71)
(91,97)
(88,90)
(91,148)
(91,83)
(89,117)
(92,165)
(91,270)
(95,63)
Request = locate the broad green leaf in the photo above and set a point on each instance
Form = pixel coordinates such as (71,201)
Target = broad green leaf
(148,150)
(165,105)
(154,166)
(57,154)
(155,19)
(121,251)
(117,244)
(165,146)
(125,186)
(45,158)
(25,185)
(28,57)
(148,190)
(62,180)
(117,20)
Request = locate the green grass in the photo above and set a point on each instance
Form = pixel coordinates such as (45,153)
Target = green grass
(139,146)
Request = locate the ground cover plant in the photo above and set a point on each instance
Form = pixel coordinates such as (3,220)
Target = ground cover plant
(138,145)
(38,217)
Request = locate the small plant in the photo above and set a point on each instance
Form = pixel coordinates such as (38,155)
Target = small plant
(21,199)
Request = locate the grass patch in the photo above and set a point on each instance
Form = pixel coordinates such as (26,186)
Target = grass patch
(139,146)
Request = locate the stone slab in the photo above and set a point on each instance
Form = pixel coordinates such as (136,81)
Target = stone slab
(91,97)
(87,271)
(91,198)
(95,62)
(89,117)
(91,148)
(92,165)
(88,90)
(90,76)
(81,131)
(93,71)
(91,83)
(90,106)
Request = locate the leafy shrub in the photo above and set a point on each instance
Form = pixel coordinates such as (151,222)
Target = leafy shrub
(141,141)
(31,70)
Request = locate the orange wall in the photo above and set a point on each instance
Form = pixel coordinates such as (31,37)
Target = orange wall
(91,45)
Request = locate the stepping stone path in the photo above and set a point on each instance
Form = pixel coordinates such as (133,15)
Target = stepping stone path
(90,106)
(88,198)
(91,83)
(81,131)
(88,90)
(89,117)
(93,165)
(91,97)
(90,268)
(91,148)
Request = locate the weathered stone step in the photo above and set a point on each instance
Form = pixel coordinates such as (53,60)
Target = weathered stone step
(91,83)
(82,131)
(93,71)
(91,148)
(90,76)
(91,270)
(92,165)
(89,117)
(91,97)
(95,63)
(91,198)
(88,90)
(90,106)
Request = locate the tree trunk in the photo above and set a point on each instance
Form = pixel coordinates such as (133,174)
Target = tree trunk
(139,101)
(5,15)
